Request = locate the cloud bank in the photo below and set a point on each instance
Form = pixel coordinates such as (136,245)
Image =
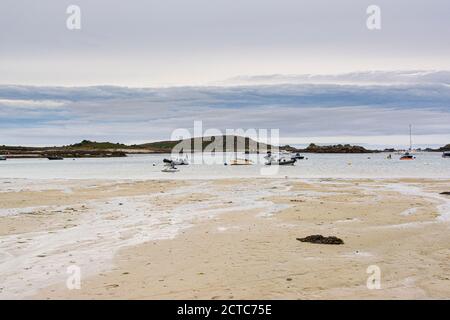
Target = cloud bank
(372,108)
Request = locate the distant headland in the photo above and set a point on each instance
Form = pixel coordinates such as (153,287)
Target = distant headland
(94,149)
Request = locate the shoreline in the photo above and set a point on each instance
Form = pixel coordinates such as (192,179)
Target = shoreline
(239,226)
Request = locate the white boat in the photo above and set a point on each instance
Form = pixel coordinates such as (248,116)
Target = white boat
(281,161)
(2,158)
(181,162)
(286,154)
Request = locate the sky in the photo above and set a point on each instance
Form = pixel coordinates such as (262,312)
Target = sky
(138,69)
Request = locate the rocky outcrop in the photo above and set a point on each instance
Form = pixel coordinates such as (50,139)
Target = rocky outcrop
(319,239)
(339,148)
(444,148)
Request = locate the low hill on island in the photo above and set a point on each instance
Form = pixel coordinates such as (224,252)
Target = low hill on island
(444,148)
(88,148)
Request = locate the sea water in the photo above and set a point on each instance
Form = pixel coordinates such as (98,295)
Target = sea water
(426,165)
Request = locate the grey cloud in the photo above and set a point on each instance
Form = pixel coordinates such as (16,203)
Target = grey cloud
(145,114)
(366,77)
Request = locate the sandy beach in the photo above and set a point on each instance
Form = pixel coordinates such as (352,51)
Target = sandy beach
(224,238)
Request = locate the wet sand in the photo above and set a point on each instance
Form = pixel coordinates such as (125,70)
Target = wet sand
(224,239)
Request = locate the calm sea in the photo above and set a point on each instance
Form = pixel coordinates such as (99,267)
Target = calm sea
(426,165)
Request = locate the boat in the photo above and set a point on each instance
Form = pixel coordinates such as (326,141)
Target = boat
(177,161)
(55,158)
(281,161)
(407,155)
(286,161)
(170,167)
(297,156)
(2,158)
(180,162)
(446,154)
(240,162)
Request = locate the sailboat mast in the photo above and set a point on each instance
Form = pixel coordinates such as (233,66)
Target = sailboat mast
(410,138)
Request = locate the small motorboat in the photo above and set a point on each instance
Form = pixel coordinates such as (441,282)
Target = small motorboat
(170,167)
(177,162)
(181,162)
(283,161)
(286,161)
(55,158)
(241,162)
(297,156)
(2,158)
(446,154)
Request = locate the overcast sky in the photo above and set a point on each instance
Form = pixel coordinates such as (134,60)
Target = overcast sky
(139,69)
(189,42)
(324,110)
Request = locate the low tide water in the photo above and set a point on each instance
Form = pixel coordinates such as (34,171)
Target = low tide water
(426,165)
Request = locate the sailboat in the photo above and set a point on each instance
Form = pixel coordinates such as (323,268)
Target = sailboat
(407,155)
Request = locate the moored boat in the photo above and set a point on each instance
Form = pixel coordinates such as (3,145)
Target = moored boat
(297,156)
(286,161)
(169,167)
(407,155)
(55,158)
(240,162)
(2,158)
(281,161)
(446,154)
(177,161)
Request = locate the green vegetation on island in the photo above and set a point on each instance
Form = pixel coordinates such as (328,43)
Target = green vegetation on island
(92,149)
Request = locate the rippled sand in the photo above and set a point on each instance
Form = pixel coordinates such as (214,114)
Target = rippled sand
(220,239)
